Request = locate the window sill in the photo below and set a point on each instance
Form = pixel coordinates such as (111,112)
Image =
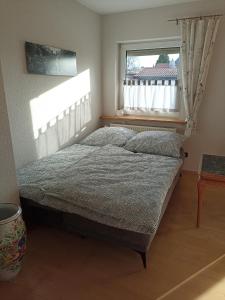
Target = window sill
(143,119)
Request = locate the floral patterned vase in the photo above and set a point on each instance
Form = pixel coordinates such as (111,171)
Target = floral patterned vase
(12,240)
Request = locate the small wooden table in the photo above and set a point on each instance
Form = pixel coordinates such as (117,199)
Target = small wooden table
(212,173)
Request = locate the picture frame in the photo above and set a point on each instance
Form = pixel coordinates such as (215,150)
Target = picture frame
(49,60)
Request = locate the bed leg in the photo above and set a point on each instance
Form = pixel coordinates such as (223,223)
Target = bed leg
(144,258)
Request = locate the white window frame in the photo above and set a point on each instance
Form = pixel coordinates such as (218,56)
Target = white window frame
(172,42)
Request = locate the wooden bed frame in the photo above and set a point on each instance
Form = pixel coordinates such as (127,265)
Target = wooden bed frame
(139,242)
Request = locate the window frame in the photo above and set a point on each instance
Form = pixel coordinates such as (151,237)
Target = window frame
(164,43)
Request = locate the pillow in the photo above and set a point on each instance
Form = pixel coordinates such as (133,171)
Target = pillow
(117,136)
(164,143)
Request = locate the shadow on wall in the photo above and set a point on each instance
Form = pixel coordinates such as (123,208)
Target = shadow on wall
(61,115)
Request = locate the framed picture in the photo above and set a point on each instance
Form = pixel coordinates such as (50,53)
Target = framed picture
(48,60)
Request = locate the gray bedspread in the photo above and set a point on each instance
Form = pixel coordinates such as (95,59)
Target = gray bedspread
(107,184)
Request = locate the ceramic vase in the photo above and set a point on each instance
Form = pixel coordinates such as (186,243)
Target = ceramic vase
(12,240)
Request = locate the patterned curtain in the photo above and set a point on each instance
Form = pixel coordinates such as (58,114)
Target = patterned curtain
(198,38)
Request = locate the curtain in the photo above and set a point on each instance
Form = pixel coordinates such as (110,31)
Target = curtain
(147,95)
(198,38)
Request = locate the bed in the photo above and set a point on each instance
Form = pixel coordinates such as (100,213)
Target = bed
(103,190)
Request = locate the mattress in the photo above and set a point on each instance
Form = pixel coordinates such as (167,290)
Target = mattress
(108,184)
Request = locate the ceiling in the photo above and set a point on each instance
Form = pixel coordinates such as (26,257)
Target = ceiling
(115,6)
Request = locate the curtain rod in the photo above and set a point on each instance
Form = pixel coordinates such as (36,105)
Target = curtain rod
(191,18)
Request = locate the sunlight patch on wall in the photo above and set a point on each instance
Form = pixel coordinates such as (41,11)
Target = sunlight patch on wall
(61,114)
(52,104)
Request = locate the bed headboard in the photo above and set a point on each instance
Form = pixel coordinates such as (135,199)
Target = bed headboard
(139,128)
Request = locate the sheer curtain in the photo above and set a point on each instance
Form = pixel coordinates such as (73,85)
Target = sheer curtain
(198,39)
(150,95)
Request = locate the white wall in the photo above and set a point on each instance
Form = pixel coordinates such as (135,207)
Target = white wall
(8,187)
(60,23)
(152,23)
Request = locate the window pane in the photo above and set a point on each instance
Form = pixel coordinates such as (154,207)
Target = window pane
(151,79)
(144,65)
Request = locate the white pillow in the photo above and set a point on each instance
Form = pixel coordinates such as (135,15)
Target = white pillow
(117,136)
(164,143)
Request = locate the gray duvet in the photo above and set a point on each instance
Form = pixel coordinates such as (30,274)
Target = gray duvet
(107,184)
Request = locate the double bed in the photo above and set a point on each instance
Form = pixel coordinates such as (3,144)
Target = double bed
(105,192)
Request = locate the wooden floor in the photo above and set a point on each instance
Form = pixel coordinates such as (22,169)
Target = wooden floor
(185,263)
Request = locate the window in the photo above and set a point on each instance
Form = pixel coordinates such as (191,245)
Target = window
(150,79)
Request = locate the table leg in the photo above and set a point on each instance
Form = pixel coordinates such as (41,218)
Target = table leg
(200,186)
